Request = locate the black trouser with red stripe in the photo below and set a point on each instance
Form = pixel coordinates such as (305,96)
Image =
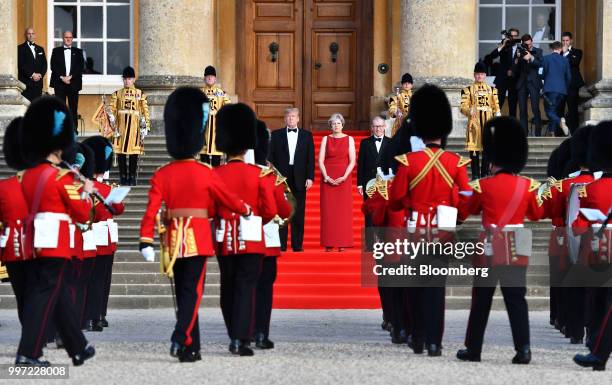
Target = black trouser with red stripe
(96,289)
(19,275)
(264,296)
(602,344)
(108,261)
(50,297)
(239,274)
(82,285)
(189,275)
(514,298)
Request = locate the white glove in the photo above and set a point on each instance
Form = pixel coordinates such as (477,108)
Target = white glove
(143,132)
(148,253)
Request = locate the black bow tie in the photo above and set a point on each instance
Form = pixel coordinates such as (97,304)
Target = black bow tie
(31,44)
(378,139)
(292,130)
(65,48)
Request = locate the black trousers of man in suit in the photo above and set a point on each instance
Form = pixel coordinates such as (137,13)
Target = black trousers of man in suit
(533,92)
(571,100)
(264,296)
(33,90)
(297,223)
(66,92)
(239,274)
(514,298)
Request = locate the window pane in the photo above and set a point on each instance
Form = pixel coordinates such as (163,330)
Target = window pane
(91,22)
(518,17)
(117,56)
(94,55)
(490,23)
(543,24)
(552,2)
(490,1)
(118,22)
(484,49)
(64,19)
(517,1)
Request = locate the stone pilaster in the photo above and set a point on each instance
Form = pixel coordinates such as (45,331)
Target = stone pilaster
(168,56)
(12,104)
(600,106)
(437,46)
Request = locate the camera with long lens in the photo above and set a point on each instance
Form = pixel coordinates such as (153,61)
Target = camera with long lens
(509,40)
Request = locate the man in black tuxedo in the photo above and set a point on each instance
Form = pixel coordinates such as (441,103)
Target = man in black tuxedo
(67,73)
(369,159)
(504,77)
(32,66)
(292,153)
(574,57)
(527,62)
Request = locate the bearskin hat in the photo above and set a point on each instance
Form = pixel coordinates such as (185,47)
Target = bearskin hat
(128,72)
(480,67)
(210,70)
(103,153)
(600,143)
(430,113)
(89,160)
(552,167)
(505,143)
(263,143)
(11,145)
(185,116)
(579,145)
(407,78)
(47,127)
(236,128)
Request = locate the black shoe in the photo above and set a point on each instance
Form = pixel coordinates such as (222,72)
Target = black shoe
(175,349)
(298,250)
(132,181)
(576,341)
(416,346)
(386,326)
(189,356)
(434,350)
(262,342)
(80,358)
(240,348)
(27,361)
(466,355)
(104,322)
(590,361)
(551,322)
(523,356)
(399,338)
(59,344)
(93,326)
(123,180)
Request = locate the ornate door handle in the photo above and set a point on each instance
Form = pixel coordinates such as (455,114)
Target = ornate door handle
(333,48)
(317,65)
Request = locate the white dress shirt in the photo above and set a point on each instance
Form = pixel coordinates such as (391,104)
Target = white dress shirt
(378,143)
(568,51)
(32,49)
(292,138)
(67,59)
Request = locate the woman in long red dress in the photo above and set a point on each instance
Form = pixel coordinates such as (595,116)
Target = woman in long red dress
(336,161)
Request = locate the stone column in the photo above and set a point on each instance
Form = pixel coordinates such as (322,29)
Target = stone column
(600,106)
(439,46)
(176,43)
(12,104)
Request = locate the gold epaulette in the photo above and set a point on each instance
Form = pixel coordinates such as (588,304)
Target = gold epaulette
(370,187)
(265,172)
(533,184)
(73,192)
(403,159)
(475,185)
(582,192)
(558,184)
(463,161)
(61,172)
(382,187)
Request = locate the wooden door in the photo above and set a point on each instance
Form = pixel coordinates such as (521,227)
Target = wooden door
(304,73)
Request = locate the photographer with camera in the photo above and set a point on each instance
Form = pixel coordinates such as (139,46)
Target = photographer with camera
(527,61)
(504,77)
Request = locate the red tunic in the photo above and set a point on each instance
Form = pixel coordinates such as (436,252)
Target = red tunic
(285,210)
(60,194)
(13,213)
(246,181)
(188,189)
(494,196)
(103,215)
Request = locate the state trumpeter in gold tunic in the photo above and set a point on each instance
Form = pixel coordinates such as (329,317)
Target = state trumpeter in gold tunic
(399,106)
(218,98)
(483,98)
(129,105)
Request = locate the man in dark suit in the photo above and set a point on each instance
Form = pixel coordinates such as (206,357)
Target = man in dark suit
(292,153)
(557,76)
(369,159)
(574,57)
(67,73)
(504,77)
(527,62)
(32,66)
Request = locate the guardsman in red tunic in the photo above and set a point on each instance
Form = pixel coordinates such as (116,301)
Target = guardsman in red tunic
(187,188)
(504,199)
(555,201)
(428,182)
(598,195)
(54,202)
(103,224)
(240,241)
(265,283)
(13,213)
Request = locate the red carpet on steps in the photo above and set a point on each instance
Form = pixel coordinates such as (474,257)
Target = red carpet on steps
(315,279)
